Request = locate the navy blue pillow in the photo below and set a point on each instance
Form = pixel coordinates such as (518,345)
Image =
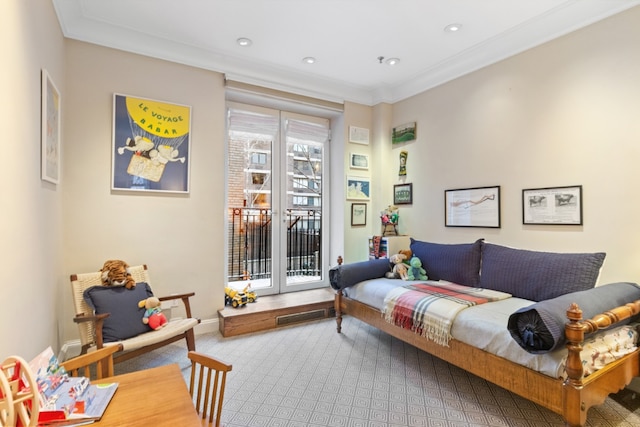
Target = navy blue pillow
(457,263)
(125,317)
(539,328)
(538,276)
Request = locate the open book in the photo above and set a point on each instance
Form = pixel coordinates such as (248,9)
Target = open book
(67,400)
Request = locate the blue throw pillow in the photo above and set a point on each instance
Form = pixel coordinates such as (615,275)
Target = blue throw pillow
(457,263)
(538,276)
(125,317)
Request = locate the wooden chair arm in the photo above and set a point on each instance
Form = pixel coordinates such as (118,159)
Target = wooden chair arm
(90,318)
(183,297)
(98,320)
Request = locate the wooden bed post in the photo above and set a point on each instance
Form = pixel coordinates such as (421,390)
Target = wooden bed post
(575,336)
(337,303)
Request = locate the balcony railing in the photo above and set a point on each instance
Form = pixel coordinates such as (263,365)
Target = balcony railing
(250,237)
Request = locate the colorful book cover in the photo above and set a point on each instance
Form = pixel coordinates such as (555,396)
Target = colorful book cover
(63,397)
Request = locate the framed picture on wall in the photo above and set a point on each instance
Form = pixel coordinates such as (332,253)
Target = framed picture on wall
(404,133)
(50,141)
(358,188)
(150,147)
(552,206)
(359,161)
(403,194)
(359,135)
(358,214)
(472,207)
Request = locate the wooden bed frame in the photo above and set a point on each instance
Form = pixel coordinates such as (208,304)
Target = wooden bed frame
(570,398)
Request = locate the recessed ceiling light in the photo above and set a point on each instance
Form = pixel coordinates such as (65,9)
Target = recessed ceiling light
(309,60)
(243,41)
(392,61)
(452,28)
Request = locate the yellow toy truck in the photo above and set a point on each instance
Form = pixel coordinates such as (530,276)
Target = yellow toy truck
(234,297)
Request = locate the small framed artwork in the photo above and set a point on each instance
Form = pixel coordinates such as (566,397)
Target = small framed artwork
(404,133)
(403,194)
(472,207)
(552,206)
(358,214)
(359,161)
(359,135)
(358,188)
(50,143)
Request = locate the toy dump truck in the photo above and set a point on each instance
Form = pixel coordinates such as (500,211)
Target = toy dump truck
(234,297)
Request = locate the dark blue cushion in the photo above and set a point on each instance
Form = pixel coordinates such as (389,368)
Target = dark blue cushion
(343,276)
(125,317)
(457,263)
(539,328)
(538,276)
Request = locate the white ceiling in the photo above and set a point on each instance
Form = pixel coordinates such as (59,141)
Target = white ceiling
(345,36)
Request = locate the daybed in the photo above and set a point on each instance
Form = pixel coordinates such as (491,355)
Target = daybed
(530,339)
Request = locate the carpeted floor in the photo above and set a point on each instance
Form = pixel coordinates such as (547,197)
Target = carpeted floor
(308,375)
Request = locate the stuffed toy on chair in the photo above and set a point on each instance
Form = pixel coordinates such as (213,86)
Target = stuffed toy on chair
(416,272)
(153,315)
(399,270)
(116,273)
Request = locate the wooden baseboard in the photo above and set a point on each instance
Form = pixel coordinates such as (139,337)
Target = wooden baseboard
(274,311)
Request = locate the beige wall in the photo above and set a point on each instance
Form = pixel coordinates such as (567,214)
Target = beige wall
(30,225)
(565,113)
(180,237)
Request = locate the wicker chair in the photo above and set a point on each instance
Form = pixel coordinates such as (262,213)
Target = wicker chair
(91,325)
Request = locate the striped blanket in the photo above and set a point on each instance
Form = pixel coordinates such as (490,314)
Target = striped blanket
(429,308)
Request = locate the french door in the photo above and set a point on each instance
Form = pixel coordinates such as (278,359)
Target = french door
(276,200)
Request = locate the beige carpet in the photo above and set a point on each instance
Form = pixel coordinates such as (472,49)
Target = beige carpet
(308,375)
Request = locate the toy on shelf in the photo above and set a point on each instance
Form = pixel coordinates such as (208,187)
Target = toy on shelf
(389,219)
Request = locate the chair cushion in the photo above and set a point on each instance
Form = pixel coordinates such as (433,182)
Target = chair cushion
(125,317)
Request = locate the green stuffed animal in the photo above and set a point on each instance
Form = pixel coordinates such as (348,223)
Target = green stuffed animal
(416,272)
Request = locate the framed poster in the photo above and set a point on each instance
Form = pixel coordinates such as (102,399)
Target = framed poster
(359,161)
(150,147)
(50,140)
(472,207)
(359,135)
(358,188)
(403,194)
(552,206)
(358,214)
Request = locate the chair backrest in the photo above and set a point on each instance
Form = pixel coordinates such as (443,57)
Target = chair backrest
(209,387)
(97,364)
(82,281)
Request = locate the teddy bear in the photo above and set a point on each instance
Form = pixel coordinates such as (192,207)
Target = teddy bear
(407,253)
(399,270)
(116,273)
(416,272)
(153,315)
